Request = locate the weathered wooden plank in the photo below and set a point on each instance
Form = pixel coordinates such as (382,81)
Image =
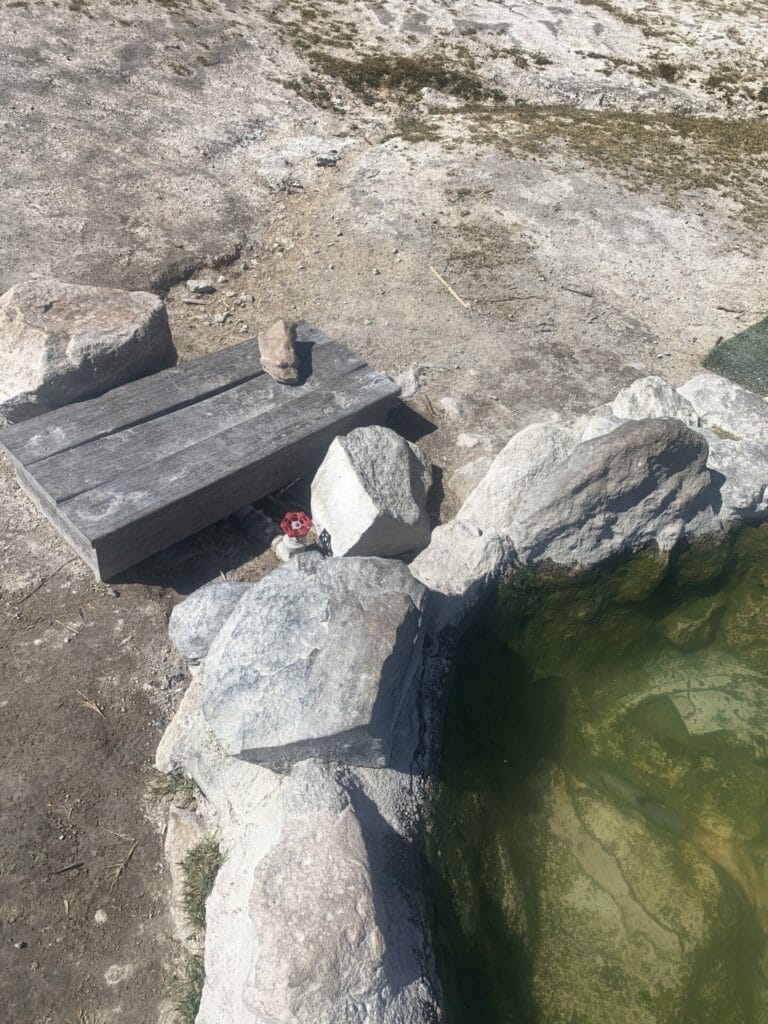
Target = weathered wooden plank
(51,511)
(132,496)
(127,474)
(226,482)
(137,401)
(77,470)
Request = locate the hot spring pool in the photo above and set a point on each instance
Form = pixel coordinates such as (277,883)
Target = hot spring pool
(598,851)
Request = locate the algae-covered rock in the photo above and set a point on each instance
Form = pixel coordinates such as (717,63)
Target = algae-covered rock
(638,577)
(624,913)
(744,626)
(702,562)
(687,732)
(692,624)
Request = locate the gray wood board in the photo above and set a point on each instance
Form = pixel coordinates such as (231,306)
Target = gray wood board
(125,475)
(80,469)
(143,399)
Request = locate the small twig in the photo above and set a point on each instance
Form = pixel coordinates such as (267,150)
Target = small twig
(193,302)
(69,867)
(66,626)
(90,703)
(118,870)
(578,291)
(512,298)
(445,284)
(429,407)
(46,580)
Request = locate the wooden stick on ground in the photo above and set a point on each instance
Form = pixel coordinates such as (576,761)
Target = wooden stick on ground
(445,284)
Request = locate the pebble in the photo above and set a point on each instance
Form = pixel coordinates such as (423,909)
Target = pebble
(221,279)
(118,972)
(376,271)
(100,917)
(20,945)
(468,441)
(453,408)
(408,382)
(200,286)
(221,318)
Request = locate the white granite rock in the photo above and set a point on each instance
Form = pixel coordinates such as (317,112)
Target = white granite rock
(724,406)
(370,494)
(531,452)
(643,483)
(596,424)
(651,398)
(316,915)
(459,564)
(61,343)
(318,660)
(740,470)
(466,478)
(195,621)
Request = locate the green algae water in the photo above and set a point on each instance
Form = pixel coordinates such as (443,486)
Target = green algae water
(598,851)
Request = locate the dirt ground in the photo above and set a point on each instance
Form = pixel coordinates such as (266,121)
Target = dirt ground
(605,222)
(88,682)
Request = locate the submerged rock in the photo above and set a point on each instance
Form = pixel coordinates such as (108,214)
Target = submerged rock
(320,660)
(692,625)
(62,343)
(643,483)
(370,494)
(624,912)
(744,626)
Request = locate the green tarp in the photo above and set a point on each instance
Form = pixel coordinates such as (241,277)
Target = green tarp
(743,358)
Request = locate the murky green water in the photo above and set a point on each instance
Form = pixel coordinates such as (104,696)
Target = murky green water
(599,851)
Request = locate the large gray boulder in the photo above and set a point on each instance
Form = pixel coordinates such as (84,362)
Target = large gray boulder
(533,451)
(726,407)
(642,483)
(459,564)
(370,494)
(320,660)
(61,343)
(335,939)
(195,621)
(316,915)
(466,478)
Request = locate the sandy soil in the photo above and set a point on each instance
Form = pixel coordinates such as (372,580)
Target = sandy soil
(609,226)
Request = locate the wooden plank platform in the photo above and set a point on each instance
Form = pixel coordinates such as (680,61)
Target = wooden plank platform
(127,474)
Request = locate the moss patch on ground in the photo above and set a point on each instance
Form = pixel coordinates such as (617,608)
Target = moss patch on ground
(200,867)
(673,156)
(374,74)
